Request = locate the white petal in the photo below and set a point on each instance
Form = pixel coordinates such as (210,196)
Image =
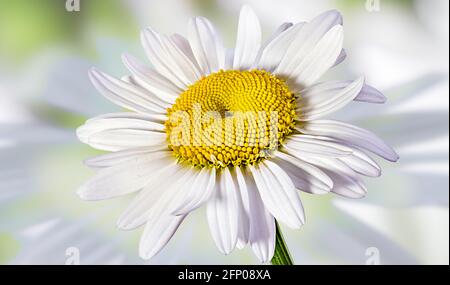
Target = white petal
(278,194)
(151,79)
(248,39)
(321,99)
(115,158)
(157,234)
(306,177)
(304,144)
(345,181)
(126,177)
(306,41)
(124,94)
(244,207)
(370,94)
(341,57)
(362,164)
(223,213)
(161,188)
(189,69)
(161,60)
(262,223)
(184,45)
(350,135)
(196,194)
(206,45)
(157,118)
(274,52)
(313,65)
(229,58)
(283,27)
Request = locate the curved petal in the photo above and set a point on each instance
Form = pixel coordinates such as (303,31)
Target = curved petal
(113,134)
(157,195)
(350,135)
(197,194)
(223,213)
(283,27)
(273,53)
(157,234)
(319,60)
(161,60)
(322,99)
(278,194)
(306,40)
(206,45)
(345,181)
(306,177)
(305,144)
(262,224)
(362,164)
(126,177)
(244,207)
(124,94)
(151,80)
(115,158)
(248,39)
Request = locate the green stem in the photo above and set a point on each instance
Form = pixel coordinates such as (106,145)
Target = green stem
(281,255)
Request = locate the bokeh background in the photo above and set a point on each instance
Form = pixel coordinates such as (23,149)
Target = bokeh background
(45,51)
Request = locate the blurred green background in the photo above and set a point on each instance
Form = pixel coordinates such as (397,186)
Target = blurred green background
(45,52)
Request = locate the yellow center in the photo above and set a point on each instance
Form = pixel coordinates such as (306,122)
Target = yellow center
(230,118)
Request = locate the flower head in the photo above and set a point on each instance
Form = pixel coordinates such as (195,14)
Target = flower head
(238,130)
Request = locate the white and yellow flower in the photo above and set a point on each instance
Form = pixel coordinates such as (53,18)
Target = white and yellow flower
(238,130)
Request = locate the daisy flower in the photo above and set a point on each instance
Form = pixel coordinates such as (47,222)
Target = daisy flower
(240,131)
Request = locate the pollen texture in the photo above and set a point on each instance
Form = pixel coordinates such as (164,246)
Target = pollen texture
(230,118)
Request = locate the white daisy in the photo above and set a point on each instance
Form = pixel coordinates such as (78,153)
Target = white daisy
(184,143)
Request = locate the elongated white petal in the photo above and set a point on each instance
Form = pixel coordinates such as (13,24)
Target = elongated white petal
(283,27)
(115,158)
(362,164)
(124,94)
(157,118)
(244,208)
(327,89)
(186,66)
(315,145)
(306,40)
(196,194)
(306,177)
(319,100)
(345,181)
(157,194)
(262,223)
(160,225)
(206,45)
(248,39)
(115,133)
(350,135)
(126,177)
(278,194)
(151,80)
(223,213)
(273,53)
(183,44)
(157,234)
(161,60)
(319,60)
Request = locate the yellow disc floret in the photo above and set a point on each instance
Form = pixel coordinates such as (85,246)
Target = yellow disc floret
(230,118)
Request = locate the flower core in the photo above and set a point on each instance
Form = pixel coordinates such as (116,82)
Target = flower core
(230,118)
